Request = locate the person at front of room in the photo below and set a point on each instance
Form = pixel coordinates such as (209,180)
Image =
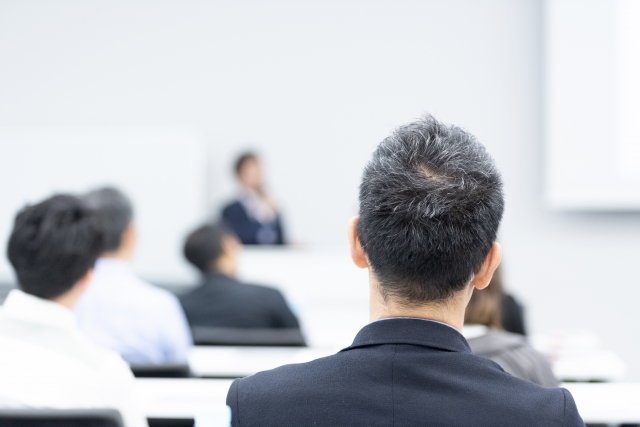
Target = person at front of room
(431,202)
(254,217)
(221,300)
(121,312)
(46,361)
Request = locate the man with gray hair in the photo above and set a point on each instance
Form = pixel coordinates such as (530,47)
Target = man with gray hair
(143,323)
(430,205)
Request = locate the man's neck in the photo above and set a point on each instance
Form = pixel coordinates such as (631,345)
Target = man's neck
(121,254)
(450,311)
(226,266)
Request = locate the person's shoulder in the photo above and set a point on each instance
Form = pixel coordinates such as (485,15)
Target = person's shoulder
(265,293)
(287,378)
(232,207)
(103,360)
(154,297)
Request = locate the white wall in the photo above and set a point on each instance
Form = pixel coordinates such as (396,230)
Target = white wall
(316,86)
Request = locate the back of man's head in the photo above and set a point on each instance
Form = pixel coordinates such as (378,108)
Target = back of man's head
(54,244)
(430,205)
(204,246)
(116,213)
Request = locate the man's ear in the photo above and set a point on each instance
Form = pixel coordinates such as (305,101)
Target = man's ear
(357,251)
(491,262)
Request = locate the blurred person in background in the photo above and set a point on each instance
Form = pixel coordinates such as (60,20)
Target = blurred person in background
(46,361)
(254,216)
(143,323)
(221,300)
(487,338)
(512,313)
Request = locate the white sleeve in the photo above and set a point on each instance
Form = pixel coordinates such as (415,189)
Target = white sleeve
(120,392)
(177,338)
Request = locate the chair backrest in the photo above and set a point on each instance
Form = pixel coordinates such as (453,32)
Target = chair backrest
(33,417)
(284,337)
(161,371)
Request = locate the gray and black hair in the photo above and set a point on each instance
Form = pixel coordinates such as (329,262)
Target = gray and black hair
(431,202)
(116,213)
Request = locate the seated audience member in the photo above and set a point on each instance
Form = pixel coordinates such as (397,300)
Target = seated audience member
(430,205)
(484,333)
(221,300)
(141,322)
(254,216)
(512,313)
(46,361)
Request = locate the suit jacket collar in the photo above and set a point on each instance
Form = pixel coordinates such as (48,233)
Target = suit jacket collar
(423,332)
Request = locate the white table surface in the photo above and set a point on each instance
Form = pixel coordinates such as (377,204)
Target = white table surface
(230,362)
(607,403)
(181,398)
(185,398)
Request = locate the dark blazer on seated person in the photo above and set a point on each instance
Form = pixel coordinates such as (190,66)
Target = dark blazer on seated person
(224,302)
(399,372)
(249,230)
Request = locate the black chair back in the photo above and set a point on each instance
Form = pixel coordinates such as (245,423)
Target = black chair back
(161,371)
(60,418)
(282,337)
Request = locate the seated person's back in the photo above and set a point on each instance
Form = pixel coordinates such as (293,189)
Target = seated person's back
(221,300)
(430,206)
(46,360)
(119,311)
(487,338)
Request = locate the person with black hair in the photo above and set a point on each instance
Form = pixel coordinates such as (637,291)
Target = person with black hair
(221,300)
(46,360)
(141,322)
(431,202)
(254,216)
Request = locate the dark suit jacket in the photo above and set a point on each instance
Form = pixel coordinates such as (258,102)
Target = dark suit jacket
(248,229)
(225,302)
(399,372)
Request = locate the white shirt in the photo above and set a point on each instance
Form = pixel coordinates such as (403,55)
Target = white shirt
(46,362)
(139,321)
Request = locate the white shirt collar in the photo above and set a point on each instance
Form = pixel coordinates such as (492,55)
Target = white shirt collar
(112,264)
(474,331)
(22,306)
(417,318)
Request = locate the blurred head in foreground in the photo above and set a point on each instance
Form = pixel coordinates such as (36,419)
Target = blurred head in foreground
(213,248)
(116,213)
(249,171)
(431,202)
(53,248)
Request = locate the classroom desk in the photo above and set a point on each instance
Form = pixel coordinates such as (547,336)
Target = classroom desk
(181,398)
(607,403)
(235,362)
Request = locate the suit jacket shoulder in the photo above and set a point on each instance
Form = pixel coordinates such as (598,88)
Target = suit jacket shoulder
(422,375)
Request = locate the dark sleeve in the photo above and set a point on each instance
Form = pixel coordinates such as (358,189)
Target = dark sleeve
(282,240)
(283,316)
(236,218)
(232,402)
(571,416)
(512,315)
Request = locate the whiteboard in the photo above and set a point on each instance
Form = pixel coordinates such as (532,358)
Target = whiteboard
(162,170)
(592,104)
